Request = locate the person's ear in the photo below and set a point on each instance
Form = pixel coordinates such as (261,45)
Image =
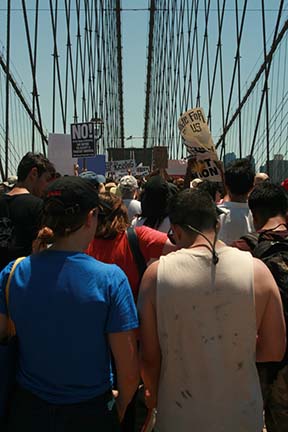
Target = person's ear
(91,217)
(256,221)
(178,232)
(33,174)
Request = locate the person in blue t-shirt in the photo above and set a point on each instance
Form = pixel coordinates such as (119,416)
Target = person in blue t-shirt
(69,311)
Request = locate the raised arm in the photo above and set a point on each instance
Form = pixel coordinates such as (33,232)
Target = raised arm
(271,340)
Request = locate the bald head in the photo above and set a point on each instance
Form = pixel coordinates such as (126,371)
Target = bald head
(260,178)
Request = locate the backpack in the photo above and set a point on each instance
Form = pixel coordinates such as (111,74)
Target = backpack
(272,249)
(136,251)
(8,248)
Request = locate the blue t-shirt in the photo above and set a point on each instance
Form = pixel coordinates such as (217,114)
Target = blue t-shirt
(64,304)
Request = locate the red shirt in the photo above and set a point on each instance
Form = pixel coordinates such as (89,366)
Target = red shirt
(117,251)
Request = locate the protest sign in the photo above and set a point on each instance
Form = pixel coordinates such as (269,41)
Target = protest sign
(143,170)
(124,165)
(207,167)
(177,168)
(59,152)
(118,169)
(96,164)
(160,157)
(199,143)
(121,167)
(194,130)
(83,140)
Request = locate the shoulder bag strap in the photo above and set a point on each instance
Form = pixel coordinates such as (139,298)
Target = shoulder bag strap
(135,249)
(5,201)
(251,239)
(11,327)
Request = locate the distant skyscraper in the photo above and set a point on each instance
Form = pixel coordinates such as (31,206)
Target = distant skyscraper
(278,168)
(252,161)
(228,158)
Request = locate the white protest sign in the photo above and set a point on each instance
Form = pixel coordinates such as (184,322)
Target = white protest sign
(143,170)
(59,153)
(124,165)
(108,166)
(121,166)
(199,143)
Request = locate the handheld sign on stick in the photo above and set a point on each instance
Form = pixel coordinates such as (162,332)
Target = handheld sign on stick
(199,143)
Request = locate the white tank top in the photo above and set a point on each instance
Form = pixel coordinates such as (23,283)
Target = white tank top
(207,333)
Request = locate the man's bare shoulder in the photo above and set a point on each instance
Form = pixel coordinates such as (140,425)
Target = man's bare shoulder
(263,279)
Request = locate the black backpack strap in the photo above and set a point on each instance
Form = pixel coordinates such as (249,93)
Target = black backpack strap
(5,206)
(135,249)
(251,239)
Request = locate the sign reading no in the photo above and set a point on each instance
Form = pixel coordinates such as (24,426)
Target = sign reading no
(83,140)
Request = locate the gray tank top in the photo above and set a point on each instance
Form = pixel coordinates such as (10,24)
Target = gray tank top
(207,332)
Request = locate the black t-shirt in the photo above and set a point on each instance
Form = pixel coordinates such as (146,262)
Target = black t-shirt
(25,211)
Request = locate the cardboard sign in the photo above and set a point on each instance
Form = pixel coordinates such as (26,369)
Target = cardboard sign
(194,130)
(160,157)
(83,140)
(199,143)
(207,168)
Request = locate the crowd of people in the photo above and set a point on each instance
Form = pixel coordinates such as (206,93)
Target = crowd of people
(145,291)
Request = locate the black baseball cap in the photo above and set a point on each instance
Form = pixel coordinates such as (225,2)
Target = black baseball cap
(73,194)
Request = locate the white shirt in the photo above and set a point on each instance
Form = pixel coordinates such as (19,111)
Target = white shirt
(236,221)
(206,323)
(133,207)
(163,227)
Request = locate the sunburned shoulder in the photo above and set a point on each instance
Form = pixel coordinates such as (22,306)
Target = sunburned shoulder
(264,282)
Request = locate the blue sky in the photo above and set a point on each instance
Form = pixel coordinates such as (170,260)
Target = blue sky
(134,41)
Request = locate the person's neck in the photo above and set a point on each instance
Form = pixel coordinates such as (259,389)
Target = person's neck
(20,188)
(71,243)
(199,241)
(238,198)
(278,222)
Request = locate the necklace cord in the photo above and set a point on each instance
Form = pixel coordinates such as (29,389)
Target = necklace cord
(215,257)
